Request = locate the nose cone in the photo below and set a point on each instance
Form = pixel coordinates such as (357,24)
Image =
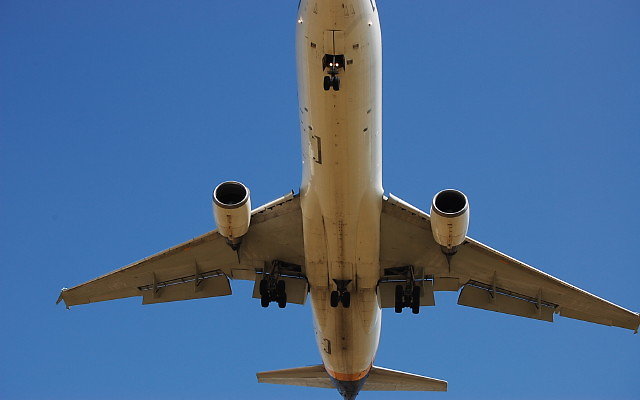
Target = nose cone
(349,389)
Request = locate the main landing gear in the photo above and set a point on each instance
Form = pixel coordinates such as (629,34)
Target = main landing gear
(408,292)
(341,295)
(407,296)
(273,289)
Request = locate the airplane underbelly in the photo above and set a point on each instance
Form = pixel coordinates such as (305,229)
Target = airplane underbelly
(341,191)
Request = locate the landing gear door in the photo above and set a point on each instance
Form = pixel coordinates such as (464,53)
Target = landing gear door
(334,42)
(338,41)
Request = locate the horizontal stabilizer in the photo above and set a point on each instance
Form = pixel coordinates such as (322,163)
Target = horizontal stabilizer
(314,376)
(384,379)
(381,379)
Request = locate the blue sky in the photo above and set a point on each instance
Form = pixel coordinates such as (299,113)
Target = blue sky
(117,119)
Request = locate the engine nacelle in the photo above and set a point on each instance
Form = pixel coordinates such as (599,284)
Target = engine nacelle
(449,218)
(232,211)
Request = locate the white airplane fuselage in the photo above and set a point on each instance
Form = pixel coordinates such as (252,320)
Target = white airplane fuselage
(341,191)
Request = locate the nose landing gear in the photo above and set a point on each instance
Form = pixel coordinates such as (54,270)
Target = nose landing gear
(332,64)
(331,82)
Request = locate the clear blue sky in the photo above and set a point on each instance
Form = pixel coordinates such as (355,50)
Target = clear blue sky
(118,118)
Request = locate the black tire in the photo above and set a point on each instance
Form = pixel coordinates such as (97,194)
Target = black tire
(264,301)
(336,83)
(415,309)
(415,297)
(399,299)
(335,299)
(327,82)
(399,296)
(345,299)
(281,289)
(264,287)
(282,301)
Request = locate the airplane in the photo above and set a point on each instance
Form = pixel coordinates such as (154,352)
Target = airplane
(341,242)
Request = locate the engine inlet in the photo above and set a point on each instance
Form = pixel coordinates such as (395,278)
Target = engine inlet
(450,203)
(230,194)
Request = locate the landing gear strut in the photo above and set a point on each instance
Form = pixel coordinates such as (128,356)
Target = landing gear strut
(272,288)
(341,295)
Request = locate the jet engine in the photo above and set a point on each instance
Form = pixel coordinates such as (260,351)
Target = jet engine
(232,211)
(449,218)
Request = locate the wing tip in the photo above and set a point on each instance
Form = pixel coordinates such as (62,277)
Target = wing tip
(61,298)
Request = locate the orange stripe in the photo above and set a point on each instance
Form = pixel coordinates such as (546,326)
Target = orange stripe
(348,377)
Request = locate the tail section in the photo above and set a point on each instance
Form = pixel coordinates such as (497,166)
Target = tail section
(314,376)
(378,379)
(384,379)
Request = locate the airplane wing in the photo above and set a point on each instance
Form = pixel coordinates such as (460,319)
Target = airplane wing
(489,279)
(203,266)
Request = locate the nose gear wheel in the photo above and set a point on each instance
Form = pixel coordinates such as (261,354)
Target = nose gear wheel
(331,82)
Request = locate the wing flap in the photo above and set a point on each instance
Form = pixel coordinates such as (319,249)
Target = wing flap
(200,286)
(473,296)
